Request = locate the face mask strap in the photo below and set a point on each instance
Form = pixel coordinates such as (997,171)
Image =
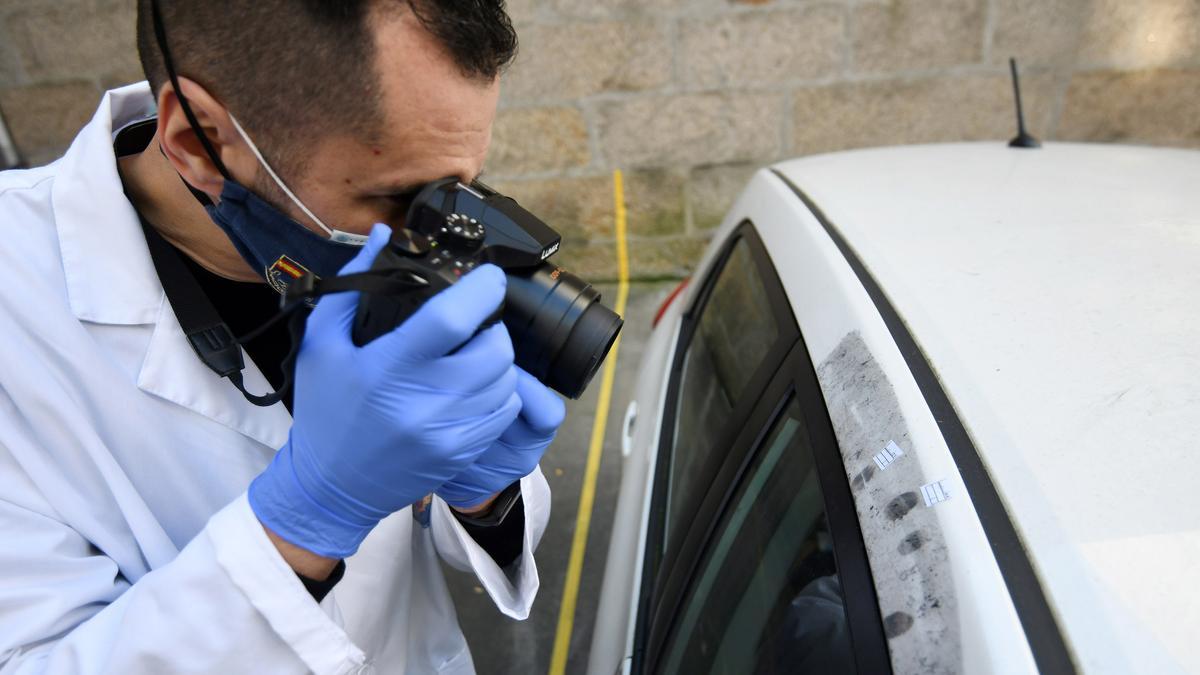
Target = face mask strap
(279,181)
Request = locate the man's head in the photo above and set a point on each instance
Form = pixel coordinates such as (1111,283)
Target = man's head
(354,103)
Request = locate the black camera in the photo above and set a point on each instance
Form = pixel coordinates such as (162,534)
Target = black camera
(560,331)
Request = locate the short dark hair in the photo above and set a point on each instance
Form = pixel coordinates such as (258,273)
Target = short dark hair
(296,68)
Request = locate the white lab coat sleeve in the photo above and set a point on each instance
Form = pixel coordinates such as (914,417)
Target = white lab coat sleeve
(227,603)
(514,592)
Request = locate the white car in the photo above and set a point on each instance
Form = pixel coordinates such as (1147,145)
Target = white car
(929,409)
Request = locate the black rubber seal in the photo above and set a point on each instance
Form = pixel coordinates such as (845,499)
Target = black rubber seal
(1045,638)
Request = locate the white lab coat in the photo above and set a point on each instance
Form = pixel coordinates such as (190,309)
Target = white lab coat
(126,541)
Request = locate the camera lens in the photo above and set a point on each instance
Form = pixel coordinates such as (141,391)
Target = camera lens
(560,331)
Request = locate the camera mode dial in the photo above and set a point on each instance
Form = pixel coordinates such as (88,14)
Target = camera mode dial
(462,232)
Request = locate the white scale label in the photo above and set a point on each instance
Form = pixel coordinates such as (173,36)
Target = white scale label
(935,492)
(888,455)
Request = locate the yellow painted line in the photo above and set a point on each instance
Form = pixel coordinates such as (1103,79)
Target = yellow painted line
(587,496)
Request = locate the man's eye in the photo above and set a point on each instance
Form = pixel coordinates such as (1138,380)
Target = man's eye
(398,203)
(403,200)
(397,207)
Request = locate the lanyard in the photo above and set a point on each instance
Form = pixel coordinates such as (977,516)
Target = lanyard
(209,335)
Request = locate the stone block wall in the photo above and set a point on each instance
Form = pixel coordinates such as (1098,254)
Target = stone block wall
(688,97)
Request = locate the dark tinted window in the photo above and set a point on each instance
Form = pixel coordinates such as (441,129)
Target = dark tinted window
(733,336)
(766,597)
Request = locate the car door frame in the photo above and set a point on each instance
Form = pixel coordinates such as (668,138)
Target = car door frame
(669,567)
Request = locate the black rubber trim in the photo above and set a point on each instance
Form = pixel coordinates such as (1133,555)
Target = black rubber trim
(863,616)
(1045,638)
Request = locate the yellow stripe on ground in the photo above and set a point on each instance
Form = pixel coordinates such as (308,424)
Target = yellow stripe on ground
(587,496)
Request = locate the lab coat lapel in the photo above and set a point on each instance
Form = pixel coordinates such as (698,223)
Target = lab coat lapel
(111,278)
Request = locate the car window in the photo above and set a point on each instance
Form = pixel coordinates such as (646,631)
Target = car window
(733,336)
(767,595)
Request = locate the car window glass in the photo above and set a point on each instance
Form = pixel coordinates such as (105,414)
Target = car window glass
(767,596)
(733,336)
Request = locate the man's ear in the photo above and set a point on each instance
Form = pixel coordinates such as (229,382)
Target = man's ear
(183,147)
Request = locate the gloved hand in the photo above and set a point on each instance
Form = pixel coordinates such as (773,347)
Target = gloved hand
(380,426)
(516,453)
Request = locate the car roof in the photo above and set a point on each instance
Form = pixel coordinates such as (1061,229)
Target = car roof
(1055,292)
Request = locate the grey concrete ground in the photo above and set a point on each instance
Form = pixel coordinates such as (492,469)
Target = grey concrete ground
(503,646)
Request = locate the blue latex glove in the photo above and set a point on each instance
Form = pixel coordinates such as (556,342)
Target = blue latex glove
(380,426)
(516,453)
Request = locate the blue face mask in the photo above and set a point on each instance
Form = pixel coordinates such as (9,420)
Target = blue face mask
(274,244)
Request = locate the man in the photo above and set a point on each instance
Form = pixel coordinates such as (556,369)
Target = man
(157,517)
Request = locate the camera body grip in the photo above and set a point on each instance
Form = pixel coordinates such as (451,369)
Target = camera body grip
(433,263)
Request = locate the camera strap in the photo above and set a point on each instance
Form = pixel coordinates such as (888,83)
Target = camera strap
(207,333)
(211,338)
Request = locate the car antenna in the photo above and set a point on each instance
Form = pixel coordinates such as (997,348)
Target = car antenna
(1023,139)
